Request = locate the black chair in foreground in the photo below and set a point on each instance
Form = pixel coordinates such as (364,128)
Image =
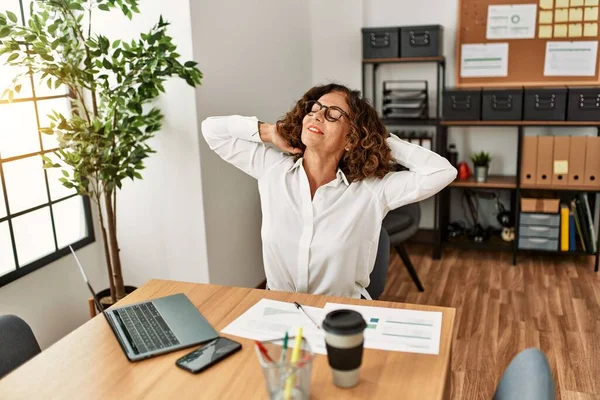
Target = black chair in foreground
(528,377)
(17,343)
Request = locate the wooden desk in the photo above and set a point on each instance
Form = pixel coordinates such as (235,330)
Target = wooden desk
(89,363)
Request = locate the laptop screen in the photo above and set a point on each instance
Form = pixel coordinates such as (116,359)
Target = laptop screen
(87,282)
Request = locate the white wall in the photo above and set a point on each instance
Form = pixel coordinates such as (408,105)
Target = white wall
(256,57)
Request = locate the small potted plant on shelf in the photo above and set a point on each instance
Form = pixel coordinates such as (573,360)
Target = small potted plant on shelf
(481,164)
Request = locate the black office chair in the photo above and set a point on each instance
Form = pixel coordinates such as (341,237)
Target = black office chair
(382,261)
(401,224)
(528,377)
(17,343)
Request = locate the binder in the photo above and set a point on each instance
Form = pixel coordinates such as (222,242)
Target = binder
(589,222)
(564,227)
(577,160)
(592,162)
(529,160)
(560,163)
(545,150)
(577,217)
(572,233)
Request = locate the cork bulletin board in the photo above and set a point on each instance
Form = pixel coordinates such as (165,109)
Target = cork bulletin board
(570,26)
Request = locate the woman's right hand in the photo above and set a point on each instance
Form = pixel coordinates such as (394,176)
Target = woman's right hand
(269,134)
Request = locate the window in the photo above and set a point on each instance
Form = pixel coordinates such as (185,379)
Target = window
(39,218)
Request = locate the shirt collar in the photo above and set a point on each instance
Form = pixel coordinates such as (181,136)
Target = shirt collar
(341,177)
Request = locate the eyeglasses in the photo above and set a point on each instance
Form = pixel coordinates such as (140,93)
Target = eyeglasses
(332,113)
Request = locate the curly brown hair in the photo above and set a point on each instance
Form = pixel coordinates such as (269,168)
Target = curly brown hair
(369,154)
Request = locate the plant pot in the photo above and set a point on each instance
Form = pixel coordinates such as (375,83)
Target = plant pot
(106,293)
(481,173)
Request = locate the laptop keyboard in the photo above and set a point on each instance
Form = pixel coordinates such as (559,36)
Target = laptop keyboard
(148,330)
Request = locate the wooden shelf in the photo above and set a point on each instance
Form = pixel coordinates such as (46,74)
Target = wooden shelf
(579,188)
(403,60)
(521,123)
(410,122)
(493,182)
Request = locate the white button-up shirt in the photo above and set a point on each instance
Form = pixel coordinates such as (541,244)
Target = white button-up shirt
(328,244)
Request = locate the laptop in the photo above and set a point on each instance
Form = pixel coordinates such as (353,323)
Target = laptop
(154,327)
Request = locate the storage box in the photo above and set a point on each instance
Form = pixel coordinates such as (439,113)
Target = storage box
(530,205)
(502,104)
(549,232)
(461,105)
(584,104)
(381,42)
(421,41)
(538,244)
(545,104)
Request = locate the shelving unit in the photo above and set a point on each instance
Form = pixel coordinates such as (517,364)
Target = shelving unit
(509,183)
(440,84)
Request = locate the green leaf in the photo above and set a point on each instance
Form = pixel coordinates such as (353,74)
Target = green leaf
(106,64)
(12,57)
(65,173)
(18,88)
(104,7)
(190,64)
(116,44)
(47,131)
(12,16)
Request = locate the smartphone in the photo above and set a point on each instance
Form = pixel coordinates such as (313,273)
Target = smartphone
(208,355)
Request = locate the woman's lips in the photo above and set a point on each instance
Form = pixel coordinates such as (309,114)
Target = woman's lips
(315,130)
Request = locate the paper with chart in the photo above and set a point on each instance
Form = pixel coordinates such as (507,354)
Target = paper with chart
(398,330)
(571,58)
(270,319)
(484,60)
(511,21)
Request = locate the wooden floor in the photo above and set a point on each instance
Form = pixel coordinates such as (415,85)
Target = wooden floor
(552,303)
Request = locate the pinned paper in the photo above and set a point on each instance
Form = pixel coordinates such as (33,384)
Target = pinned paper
(546,4)
(576,3)
(575,14)
(575,30)
(545,31)
(561,15)
(560,30)
(546,17)
(561,167)
(591,2)
(591,14)
(590,30)
(562,3)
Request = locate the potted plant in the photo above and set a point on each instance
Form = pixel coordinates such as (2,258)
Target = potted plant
(481,164)
(111,87)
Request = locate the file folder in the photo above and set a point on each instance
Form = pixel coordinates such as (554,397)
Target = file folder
(560,163)
(544,160)
(592,162)
(564,227)
(529,159)
(577,160)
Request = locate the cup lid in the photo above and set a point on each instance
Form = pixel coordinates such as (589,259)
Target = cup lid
(344,322)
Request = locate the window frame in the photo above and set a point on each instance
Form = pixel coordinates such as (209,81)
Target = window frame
(58,253)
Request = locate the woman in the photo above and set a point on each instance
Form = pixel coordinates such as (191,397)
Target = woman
(323,202)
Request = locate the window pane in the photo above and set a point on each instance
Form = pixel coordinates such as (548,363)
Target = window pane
(57,189)
(69,221)
(8,73)
(25,185)
(45,107)
(33,235)
(7,260)
(18,129)
(2,204)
